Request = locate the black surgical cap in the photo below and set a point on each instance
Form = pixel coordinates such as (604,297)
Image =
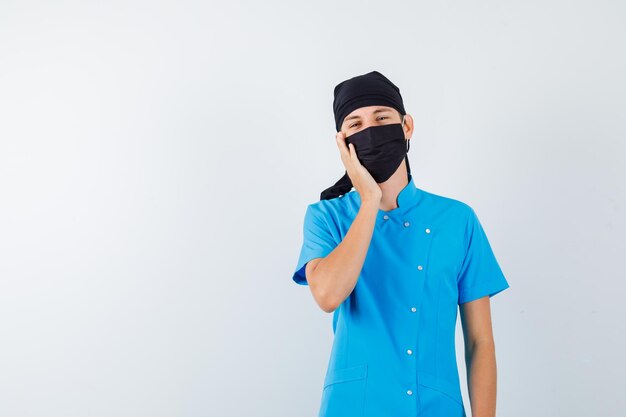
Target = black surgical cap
(364,90)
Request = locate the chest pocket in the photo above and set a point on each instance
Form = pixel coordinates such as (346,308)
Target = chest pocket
(344,392)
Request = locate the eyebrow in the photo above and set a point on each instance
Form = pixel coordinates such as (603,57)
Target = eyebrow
(358,117)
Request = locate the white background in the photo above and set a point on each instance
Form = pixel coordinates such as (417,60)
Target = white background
(156,160)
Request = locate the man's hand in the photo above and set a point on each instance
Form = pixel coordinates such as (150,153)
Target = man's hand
(362,180)
(333,278)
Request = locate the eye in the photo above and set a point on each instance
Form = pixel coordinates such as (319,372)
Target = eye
(353,124)
(385,117)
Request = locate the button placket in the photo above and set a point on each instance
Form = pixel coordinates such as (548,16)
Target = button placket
(413,309)
(420,267)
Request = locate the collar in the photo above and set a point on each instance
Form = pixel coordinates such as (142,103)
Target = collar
(408,196)
(407,199)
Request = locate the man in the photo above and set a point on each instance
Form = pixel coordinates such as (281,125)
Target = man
(393,262)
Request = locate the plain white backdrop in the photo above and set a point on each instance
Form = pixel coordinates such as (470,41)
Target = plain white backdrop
(157,157)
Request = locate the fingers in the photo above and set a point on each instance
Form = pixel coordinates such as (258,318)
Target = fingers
(343,149)
(348,152)
(341,143)
(352,152)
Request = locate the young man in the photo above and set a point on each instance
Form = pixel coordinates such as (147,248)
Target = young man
(393,262)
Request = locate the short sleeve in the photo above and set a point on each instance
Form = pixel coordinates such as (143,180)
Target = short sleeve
(480,273)
(317,241)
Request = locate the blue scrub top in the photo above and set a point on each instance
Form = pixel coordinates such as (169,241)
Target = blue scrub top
(393,351)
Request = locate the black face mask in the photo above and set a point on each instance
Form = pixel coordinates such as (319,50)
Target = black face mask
(380,149)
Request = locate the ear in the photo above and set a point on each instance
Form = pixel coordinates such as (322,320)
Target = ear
(408,126)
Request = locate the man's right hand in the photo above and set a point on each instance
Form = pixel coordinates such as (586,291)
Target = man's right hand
(362,180)
(333,277)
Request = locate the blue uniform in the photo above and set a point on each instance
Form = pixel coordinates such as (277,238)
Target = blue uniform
(393,351)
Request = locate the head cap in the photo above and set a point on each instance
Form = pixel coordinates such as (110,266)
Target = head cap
(364,90)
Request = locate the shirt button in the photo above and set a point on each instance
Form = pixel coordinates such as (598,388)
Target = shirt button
(409,351)
(406,224)
(427,230)
(420,267)
(386,217)
(409,392)
(413,309)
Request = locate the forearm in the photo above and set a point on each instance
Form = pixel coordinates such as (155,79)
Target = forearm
(482,378)
(336,275)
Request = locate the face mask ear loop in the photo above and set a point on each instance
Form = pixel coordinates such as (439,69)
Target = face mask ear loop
(408,142)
